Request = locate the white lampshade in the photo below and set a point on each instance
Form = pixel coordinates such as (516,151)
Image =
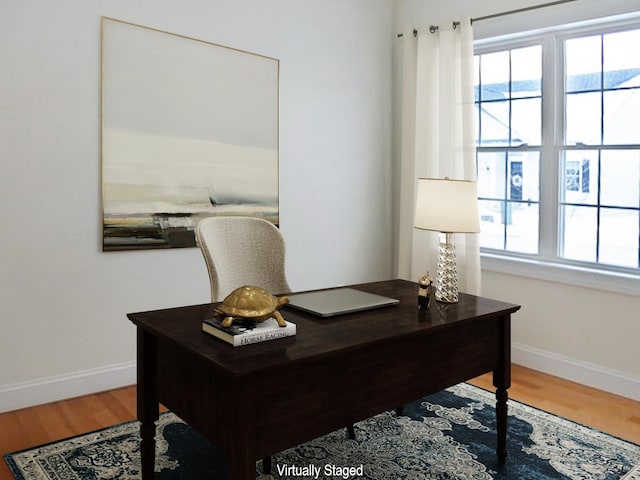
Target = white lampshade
(447,206)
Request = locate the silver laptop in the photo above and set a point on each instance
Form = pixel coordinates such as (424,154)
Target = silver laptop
(338,301)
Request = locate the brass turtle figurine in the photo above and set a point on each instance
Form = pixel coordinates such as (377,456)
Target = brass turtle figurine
(251,303)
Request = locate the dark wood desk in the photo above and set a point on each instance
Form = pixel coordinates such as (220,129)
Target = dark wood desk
(257,400)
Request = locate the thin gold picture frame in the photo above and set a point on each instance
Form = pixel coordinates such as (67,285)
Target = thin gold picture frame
(190,129)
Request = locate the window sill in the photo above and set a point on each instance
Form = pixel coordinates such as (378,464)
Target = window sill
(615,282)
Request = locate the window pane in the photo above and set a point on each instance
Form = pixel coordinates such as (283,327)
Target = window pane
(526,71)
(619,237)
(620,178)
(491,224)
(583,64)
(583,118)
(524,176)
(476,76)
(579,177)
(579,226)
(594,83)
(622,116)
(494,75)
(491,175)
(494,124)
(523,170)
(621,67)
(526,123)
(522,227)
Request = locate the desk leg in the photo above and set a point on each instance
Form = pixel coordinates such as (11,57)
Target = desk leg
(501,424)
(241,468)
(147,403)
(241,462)
(502,381)
(241,450)
(147,450)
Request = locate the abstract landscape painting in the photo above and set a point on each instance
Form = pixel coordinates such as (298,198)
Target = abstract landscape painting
(189,130)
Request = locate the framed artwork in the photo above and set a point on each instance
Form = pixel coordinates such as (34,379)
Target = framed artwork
(190,129)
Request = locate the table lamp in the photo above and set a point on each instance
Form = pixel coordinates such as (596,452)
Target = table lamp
(447,206)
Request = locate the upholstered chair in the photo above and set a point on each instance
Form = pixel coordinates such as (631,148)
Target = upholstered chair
(242,251)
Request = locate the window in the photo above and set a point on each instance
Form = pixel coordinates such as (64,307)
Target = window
(509,106)
(558,147)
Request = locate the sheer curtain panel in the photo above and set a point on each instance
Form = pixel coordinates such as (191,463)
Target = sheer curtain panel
(437,140)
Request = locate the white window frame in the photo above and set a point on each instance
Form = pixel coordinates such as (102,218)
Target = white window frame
(547,264)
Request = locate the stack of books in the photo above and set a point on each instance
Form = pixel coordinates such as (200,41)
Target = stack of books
(243,332)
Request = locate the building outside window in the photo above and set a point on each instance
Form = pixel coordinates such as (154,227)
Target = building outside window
(558,146)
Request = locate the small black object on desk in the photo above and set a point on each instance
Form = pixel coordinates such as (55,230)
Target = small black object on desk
(424,291)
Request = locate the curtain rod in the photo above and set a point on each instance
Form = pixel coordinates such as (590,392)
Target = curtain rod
(434,28)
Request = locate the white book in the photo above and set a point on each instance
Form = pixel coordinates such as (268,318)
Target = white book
(238,334)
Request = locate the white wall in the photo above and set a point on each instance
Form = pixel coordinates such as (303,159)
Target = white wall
(589,335)
(63,329)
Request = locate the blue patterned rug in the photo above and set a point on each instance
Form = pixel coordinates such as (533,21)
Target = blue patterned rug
(446,436)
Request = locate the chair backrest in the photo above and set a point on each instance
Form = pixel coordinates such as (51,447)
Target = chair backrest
(242,251)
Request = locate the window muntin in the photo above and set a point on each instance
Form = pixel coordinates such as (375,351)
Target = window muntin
(508,97)
(509,111)
(594,115)
(508,196)
(600,210)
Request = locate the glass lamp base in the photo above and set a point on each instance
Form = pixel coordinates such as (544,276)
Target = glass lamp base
(447,278)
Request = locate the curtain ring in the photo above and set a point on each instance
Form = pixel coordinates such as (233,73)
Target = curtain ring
(433,29)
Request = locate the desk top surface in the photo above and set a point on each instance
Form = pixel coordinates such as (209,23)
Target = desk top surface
(317,336)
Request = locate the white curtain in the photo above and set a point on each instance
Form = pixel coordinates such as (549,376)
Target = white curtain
(438,140)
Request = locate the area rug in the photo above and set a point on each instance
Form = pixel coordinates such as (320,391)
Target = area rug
(446,436)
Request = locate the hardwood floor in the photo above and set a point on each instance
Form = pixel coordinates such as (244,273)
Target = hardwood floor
(603,411)
(33,426)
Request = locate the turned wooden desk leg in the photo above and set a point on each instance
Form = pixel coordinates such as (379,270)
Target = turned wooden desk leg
(266,465)
(501,420)
(502,381)
(241,465)
(147,403)
(147,450)
(351,433)
(241,449)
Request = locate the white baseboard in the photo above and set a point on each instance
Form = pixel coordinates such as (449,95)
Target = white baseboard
(46,390)
(585,373)
(85,382)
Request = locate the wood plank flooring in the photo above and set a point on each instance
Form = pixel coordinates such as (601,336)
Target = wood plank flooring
(619,416)
(37,425)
